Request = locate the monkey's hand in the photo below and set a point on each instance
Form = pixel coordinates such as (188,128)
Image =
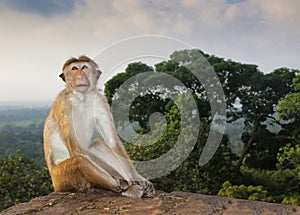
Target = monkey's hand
(122,185)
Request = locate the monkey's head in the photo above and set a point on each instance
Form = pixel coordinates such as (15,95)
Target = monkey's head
(80,74)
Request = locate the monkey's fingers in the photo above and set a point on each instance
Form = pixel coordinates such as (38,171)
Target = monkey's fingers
(148,188)
(122,185)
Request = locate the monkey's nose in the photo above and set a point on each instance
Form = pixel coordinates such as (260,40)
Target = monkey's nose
(79,75)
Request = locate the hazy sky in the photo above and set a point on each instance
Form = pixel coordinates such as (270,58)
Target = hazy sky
(36,37)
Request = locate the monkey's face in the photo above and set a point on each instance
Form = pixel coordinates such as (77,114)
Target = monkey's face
(81,76)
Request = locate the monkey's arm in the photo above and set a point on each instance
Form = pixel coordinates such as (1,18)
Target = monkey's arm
(60,142)
(112,146)
(105,125)
(55,148)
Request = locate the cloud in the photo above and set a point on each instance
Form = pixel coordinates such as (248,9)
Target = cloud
(45,7)
(235,1)
(263,32)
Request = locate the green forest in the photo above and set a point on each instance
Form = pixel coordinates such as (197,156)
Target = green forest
(258,157)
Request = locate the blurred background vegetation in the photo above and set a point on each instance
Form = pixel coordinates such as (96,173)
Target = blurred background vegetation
(258,158)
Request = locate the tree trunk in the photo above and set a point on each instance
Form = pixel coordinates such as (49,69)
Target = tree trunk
(249,144)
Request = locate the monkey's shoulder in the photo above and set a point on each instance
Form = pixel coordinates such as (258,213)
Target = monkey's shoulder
(60,105)
(62,98)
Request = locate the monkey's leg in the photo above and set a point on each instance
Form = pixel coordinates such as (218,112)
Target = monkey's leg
(119,165)
(79,173)
(114,163)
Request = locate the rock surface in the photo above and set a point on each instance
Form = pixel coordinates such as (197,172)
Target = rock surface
(99,201)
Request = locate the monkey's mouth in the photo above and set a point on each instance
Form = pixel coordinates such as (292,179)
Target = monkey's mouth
(82,85)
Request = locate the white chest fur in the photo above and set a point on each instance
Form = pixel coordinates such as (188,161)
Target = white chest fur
(83,119)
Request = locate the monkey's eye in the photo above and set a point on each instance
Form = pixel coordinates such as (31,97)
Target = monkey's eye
(84,66)
(74,68)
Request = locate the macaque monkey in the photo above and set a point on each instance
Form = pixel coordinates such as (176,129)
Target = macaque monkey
(76,162)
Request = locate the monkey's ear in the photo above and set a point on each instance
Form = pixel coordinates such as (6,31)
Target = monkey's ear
(98,74)
(62,76)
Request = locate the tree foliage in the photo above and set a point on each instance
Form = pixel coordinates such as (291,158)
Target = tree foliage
(254,193)
(289,110)
(251,97)
(289,107)
(21,180)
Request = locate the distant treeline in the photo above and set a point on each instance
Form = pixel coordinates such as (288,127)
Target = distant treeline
(22,129)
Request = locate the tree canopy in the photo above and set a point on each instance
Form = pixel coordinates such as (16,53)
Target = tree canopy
(252,98)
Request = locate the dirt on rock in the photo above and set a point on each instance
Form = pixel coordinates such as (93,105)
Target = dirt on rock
(99,201)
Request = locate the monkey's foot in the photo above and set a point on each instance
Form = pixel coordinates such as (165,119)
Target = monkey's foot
(84,186)
(148,188)
(134,191)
